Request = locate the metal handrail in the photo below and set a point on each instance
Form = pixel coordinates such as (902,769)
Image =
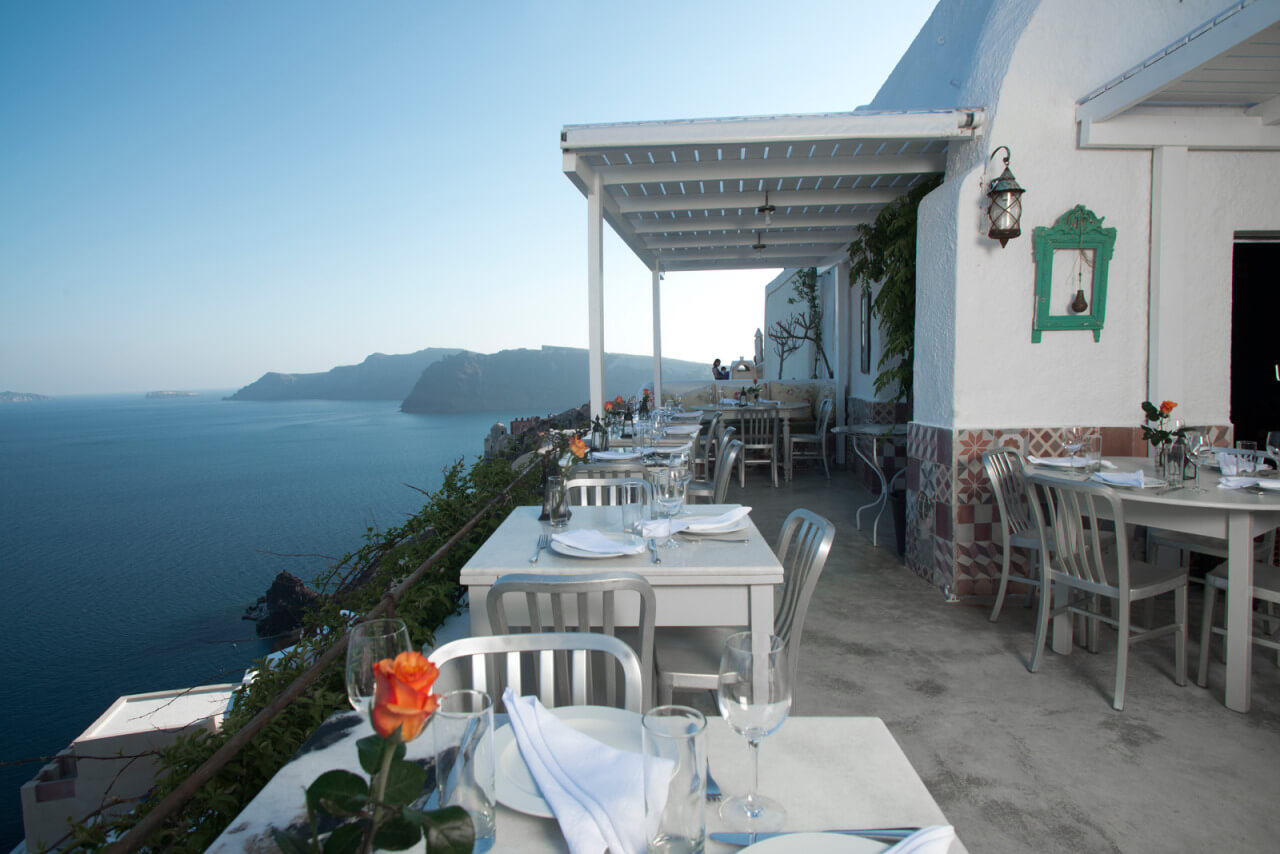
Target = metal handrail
(174,801)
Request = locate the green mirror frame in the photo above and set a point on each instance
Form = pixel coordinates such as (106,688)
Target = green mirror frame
(1078,229)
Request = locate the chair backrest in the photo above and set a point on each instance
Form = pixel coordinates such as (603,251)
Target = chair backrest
(607,491)
(615,469)
(803,548)
(707,441)
(491,662)
(759,427)
(1004,468)
(724,469)
(824,416)
(1072,515)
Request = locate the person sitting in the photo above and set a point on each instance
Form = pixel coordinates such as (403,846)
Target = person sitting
(718,372)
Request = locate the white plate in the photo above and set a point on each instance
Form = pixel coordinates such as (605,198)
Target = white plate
(631,541)
(816,843)
(695,528)
(515,786)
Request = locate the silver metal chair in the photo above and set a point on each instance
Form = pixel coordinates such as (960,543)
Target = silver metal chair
(1266,588)
(607,491)
(688,659)
(489,663)
(579,603)
(759,435)
(717,490)
(817,439)
(1071,514)
(704,447)
(1017,531)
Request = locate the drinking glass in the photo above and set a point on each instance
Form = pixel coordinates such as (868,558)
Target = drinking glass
(461,729)
(557,500)
(1200,451)
(668,490)
(1073,440)
(1273,445)
(675,779)
(1091,451)
(370,641)
(754,710)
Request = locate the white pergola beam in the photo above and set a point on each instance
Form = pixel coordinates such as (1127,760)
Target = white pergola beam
(1221,128)
(748,239)
(595,296)
(1267,112)
(779,169)
(696,224)
(658,203)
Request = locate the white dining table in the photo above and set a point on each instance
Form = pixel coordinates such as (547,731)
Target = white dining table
(828,772)
(1234,515)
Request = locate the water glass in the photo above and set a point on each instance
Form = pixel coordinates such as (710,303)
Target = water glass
(1091,450)
(371,641)
(634,515)
(1174,463)
(675,779)
(557,501)
(461,730)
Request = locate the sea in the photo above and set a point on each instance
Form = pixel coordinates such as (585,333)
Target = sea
(134,533)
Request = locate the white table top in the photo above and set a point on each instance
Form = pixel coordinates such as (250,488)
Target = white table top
(829,772)
(694,563)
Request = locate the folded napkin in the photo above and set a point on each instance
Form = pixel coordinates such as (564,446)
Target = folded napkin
(705,524)
(1234,464)
(687,416)
(683,429)
(1075,462)
(596,791)
(774,402)
(671,449)
(1229,482)
(615,455)
(1123,478)
(591,540)
(728,401)
(927,840)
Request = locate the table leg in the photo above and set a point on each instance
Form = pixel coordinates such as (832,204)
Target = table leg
(786,444)
(761,622)
(881,498)
(479,615)
(1239,611)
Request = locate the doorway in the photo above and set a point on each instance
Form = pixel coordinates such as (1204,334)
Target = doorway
(1255,350)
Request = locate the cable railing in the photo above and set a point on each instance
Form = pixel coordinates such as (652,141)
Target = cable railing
(176,799)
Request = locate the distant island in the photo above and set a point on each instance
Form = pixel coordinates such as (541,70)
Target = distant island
(21,397)
(378,377)
(152,394)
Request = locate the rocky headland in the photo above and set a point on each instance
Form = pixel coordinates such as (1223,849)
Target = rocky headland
(378,377)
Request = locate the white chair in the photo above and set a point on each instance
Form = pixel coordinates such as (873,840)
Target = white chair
(688,659)
(489,663)
(1004,468)
(1266,588)
(759,435)
(817,440)
(578,603)
(607,491)
(716,491)
(1083,568)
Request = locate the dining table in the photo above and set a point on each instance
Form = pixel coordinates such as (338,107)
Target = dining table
(866,440)
(1233,515)
(787,412)
(828,772)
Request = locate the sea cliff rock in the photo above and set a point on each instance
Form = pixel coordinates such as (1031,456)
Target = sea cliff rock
(378,377)
(20,397)
(280,612)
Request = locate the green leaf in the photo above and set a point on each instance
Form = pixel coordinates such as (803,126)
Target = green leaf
(346,839)
(398,834)
(448,831)
(405,782)
(338,793)
(1149,409)
(290,844)
(371,750)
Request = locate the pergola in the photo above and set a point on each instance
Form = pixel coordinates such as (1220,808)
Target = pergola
(746,193)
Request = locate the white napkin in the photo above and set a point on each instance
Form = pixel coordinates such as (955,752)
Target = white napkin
(687,416)
(659,527)
(1233,464)
(591,540)
(616,455)
(1227,482)
(683,429)
(1121,478)
(1075,462)
(595,791)
(671,449)
(728,401)
(927,840)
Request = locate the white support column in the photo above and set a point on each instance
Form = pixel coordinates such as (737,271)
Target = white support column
(1166,318)
(595,295)
(657,336)
(844,348)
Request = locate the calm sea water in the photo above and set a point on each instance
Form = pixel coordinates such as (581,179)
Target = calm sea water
(134,533)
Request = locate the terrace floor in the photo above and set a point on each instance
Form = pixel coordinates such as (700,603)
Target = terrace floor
(1024,761)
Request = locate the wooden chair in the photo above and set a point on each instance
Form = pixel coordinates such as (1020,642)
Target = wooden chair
(817,441)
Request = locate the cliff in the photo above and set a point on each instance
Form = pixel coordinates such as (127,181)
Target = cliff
(21,397)
(378,377)
(547,380)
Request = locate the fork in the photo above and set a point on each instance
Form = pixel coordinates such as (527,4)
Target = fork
(543,542)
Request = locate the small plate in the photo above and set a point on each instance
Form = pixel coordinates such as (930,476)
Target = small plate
(630,540)
(515,785)
(816,843)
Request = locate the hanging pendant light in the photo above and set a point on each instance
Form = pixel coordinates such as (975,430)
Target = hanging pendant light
(758,246)
(1005,209)
(767,209)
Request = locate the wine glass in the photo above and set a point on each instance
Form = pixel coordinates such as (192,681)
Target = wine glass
(668,490)
(370,641)
(754,709)
(1200,450)
(1073,440)
(1273,445)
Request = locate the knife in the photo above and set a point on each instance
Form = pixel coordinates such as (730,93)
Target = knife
(880,834)
(653,551)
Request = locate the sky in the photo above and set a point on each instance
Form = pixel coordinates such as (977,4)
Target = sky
(193,194)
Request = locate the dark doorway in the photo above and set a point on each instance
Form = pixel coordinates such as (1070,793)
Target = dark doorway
(1255,347)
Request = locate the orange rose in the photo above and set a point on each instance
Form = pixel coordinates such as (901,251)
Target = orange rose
(618,400)
(402,695)
(608,406)
(578,447)
(1167,407)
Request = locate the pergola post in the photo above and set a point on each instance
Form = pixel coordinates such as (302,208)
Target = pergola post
(1170,209)
(845,347)
(595,294)
(657,336)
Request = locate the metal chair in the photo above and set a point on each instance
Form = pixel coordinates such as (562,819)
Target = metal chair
(818,439)
(489,663)
(704,447)
(688,659)
(1017,531)
(759,442)
(1071,514)
(579,603)
(717,490)
(607,491)
(1266,588)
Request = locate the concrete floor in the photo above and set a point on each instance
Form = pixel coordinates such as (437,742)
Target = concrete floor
(1024,761)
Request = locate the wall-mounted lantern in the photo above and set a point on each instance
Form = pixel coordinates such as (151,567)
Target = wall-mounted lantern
(1005,210)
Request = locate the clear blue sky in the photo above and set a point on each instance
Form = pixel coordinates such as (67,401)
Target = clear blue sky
(194,193)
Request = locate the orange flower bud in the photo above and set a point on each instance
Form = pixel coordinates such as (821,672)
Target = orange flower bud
(578,447)
(402,695)
(608,406)
(1167,407)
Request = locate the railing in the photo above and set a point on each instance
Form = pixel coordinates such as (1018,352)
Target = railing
(153,820)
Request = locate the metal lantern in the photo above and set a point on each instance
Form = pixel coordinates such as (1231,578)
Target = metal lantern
(1005,210)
